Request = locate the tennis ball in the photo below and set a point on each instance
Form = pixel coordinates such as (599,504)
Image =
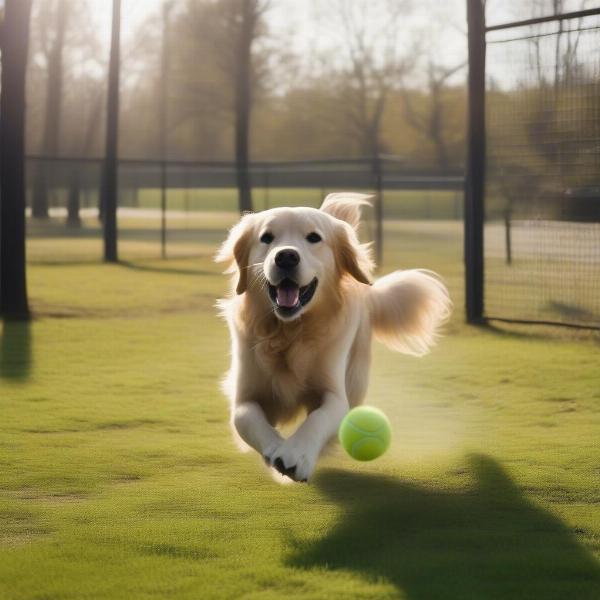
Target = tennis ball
(365,433)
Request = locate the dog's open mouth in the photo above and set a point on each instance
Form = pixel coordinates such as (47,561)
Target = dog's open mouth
(289,297)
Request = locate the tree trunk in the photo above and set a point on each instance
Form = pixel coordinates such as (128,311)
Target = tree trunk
(243,103)
(441,152)
(52,117)
(109,178)
(13,284)
(39,198)
(74,201)
(436,125)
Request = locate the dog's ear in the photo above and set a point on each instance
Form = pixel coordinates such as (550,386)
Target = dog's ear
(351,256)
(235,250)
(346,206)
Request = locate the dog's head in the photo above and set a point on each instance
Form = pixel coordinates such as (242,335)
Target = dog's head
(294,258)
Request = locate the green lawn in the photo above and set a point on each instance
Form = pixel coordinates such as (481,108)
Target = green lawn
(398,204)
(119,477)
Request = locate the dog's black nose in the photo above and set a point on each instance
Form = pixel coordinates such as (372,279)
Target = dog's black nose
(287,259)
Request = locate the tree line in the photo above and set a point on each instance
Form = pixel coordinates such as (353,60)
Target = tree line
(235,91)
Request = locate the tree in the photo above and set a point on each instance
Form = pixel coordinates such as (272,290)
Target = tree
(94,113)
(163,120)
(53,43)
(109,176)
(242,21)
(245,24)
(431,122)
(375,61)
(15,38)
(225,36)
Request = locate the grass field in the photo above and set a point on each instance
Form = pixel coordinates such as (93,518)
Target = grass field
(399,204)
(553,276)
(119,478)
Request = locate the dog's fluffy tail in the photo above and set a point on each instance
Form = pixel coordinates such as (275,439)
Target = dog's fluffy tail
(407,309)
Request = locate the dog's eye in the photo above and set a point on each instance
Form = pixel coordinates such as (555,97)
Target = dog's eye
(313,238)
(266,238)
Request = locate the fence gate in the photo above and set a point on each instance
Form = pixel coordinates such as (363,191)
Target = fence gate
(532,207)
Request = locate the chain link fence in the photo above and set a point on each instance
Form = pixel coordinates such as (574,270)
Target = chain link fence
(541,215)
(201,201)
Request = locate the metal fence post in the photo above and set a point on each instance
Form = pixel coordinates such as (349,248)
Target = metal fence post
(475,176)
(164,61)
(163,209)
(266,184)
(376,166)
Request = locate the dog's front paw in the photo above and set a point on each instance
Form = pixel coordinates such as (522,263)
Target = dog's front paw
(295,461)
(268,453)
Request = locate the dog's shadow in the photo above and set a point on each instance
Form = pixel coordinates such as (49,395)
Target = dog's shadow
(489,543)
(15,350)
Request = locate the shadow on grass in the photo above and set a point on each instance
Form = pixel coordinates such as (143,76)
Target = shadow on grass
(573,312)
(139,234)
(169,270)
(519,331)
(15,350)
(489,543)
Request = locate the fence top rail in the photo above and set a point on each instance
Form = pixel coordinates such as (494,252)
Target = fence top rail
(367,161)
(578,14)
(267,167)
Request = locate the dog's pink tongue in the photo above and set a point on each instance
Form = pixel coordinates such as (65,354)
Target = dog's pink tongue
(287,296)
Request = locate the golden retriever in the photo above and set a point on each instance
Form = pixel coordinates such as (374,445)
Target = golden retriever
(301,314)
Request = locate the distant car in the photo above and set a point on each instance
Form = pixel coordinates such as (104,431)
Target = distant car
(581,204)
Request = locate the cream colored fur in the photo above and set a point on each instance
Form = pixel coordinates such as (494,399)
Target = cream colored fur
(315,363)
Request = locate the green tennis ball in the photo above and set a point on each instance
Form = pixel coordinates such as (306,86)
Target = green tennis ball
(365,433)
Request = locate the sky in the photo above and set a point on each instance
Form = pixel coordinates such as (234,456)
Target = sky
(302,24)
(304,28)
(296,16)
(133,14)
